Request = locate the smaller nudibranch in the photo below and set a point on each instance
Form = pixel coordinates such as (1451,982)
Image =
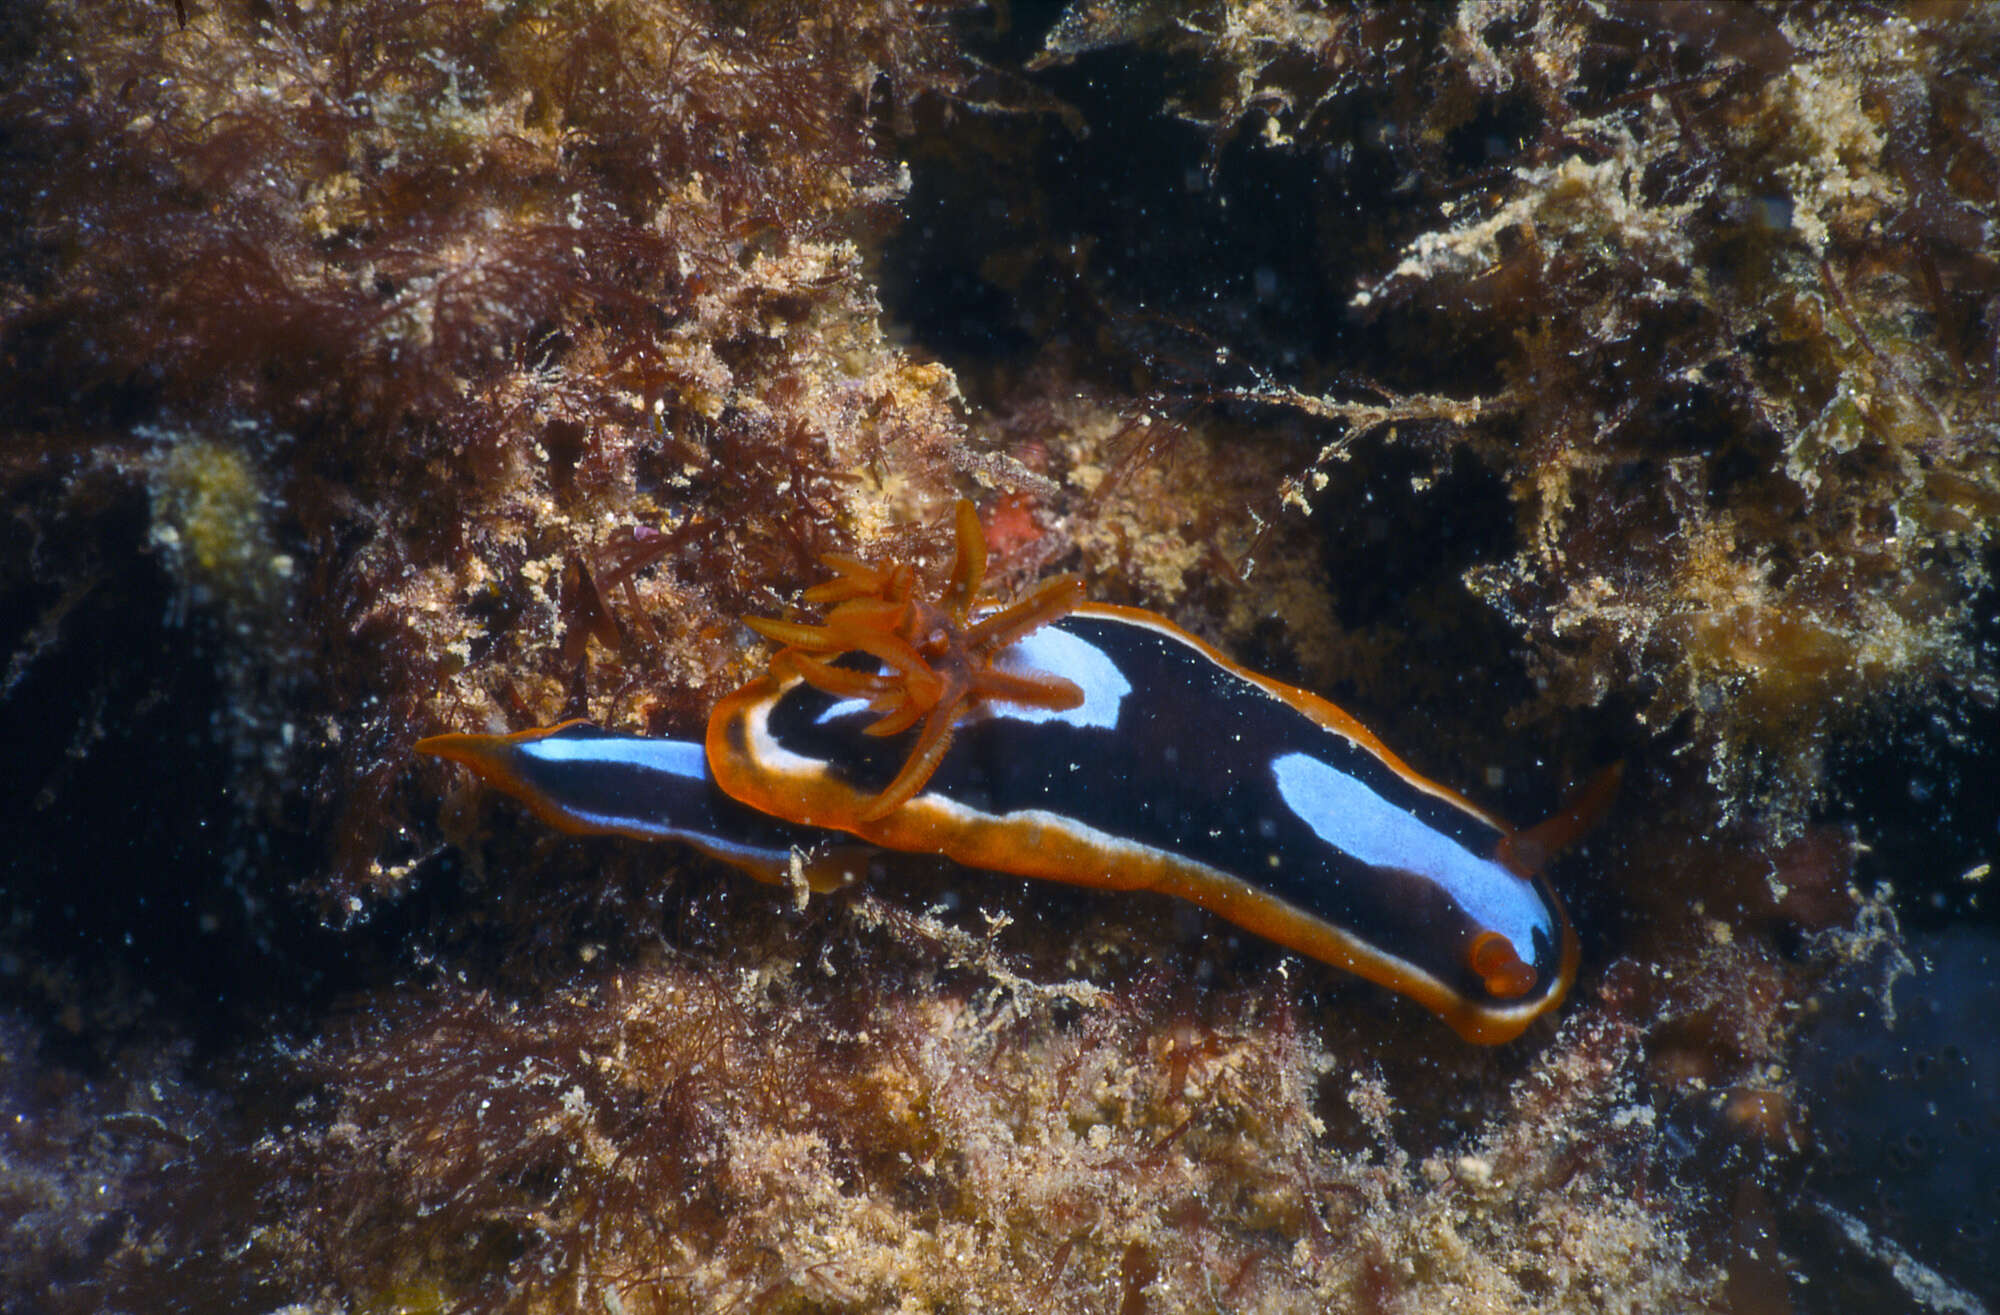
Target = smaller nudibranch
(1089,744)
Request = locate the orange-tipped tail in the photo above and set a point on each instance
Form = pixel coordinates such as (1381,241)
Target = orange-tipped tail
(484,754)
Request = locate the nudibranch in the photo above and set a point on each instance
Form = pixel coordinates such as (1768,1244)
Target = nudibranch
(1086,743)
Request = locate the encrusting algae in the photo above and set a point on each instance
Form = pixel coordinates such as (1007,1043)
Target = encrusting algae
(1552,383)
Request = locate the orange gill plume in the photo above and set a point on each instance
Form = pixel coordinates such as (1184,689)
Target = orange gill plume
(936,658)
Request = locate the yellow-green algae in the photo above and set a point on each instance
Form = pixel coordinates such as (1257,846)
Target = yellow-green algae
(212,519)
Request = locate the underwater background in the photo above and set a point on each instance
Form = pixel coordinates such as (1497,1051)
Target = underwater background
(1550,383)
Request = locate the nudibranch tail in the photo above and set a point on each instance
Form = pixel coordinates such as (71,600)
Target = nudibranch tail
(579,778)
(495,759)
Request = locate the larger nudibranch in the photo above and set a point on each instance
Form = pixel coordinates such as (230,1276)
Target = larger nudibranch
(1091,744)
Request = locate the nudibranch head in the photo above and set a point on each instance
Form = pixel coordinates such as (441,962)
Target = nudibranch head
(1156,763)
(1499,967)
(936,662)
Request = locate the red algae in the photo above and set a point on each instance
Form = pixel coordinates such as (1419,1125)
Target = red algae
(679,1135)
